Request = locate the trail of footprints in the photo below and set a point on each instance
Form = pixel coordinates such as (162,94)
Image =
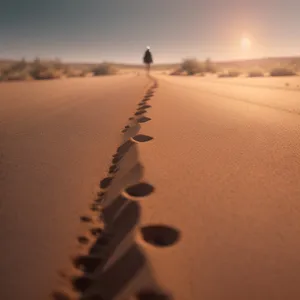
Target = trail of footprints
(115,220)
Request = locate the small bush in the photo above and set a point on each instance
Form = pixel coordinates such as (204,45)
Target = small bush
(104,69)
(44,73)
(74,73)
(210,67)
(230,74)
(282,72)
(192,66)
(256,73)
(16,76)
(16,71)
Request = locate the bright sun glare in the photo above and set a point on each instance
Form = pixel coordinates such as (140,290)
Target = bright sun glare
(245,43)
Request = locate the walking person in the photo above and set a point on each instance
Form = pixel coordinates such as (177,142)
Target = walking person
(148,60)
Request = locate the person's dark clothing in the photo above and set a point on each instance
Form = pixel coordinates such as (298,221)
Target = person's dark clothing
(148,57)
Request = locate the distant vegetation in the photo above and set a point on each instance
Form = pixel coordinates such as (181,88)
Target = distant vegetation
(248,68)
(256,73)
(282,72)
(104,69)
(229,73)
(42,70)
(192,66)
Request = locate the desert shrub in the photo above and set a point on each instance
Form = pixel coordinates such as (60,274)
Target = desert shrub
(75,73)
(255,73)
(192,66)
(16,71)
(15,76)
(43,71)
(230,73)
(104,69)
(210,67)
(282,72)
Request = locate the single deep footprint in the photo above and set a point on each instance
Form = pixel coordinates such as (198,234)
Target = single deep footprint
(160,235)
(141,189)
(141,138)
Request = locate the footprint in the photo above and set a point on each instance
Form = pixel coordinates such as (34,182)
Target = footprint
(145,107)
(82,283)
(96,231)
(141,189)
(160,235)
(95,207)
(117,159)
(143,120)
(124,148)
(138,113)
(113,169)
(100,194)
(141,138)
(106,182)
(87,263)
(83,240)
(86,219)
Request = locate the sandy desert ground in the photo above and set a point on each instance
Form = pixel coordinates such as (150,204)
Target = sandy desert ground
(130,187)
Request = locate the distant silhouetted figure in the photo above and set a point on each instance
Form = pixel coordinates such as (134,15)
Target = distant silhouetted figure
(148,60)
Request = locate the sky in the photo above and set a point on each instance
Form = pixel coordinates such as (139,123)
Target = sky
(120,30)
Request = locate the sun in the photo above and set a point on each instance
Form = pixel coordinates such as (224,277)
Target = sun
(245,43)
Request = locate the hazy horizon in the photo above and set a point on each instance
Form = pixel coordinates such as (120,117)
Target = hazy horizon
(119,31)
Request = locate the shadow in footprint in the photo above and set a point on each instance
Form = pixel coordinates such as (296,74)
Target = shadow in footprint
(124,148)
(140,112)
(106,182)
(141,189)
(110,283)
(141,138)
(87,263)
(145,107)
(143,119)
(123,229)
(160,235)
(82,283)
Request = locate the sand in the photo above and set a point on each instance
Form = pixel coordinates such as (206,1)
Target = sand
(56,139)
(203,203)
(200,199)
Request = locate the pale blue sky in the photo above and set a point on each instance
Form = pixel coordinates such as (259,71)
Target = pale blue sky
(119,30)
